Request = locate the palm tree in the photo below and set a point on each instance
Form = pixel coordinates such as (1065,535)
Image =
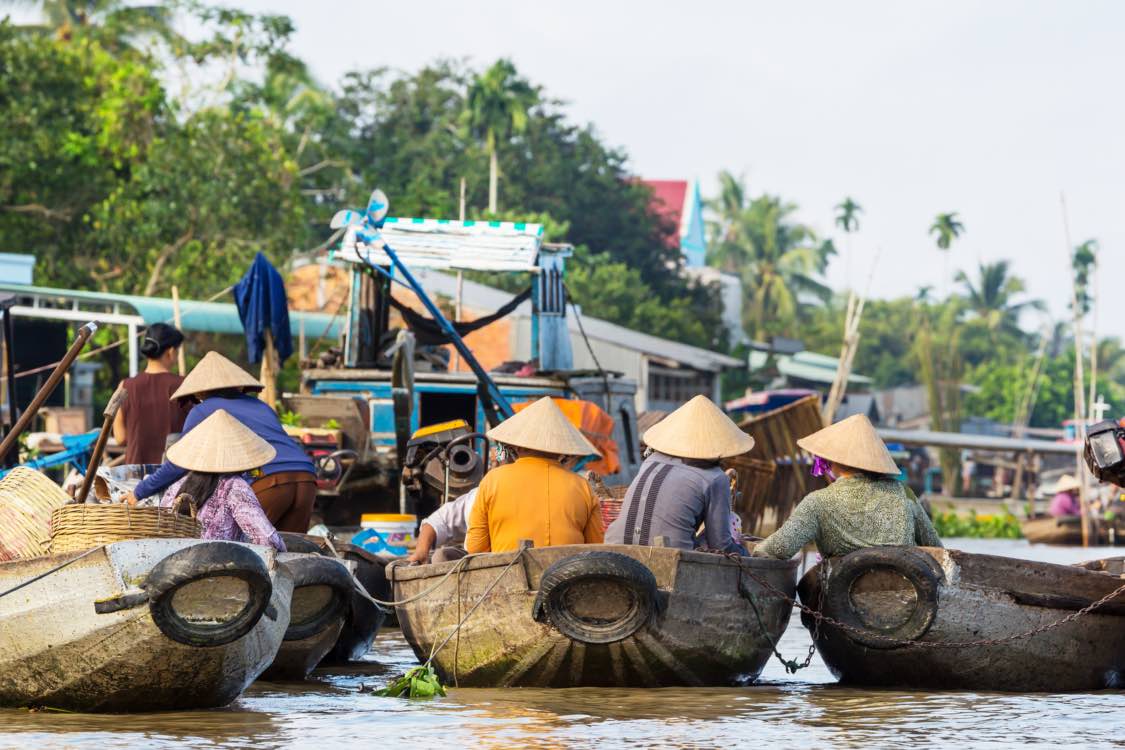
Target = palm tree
(947,227)
(990,296)
(728,206)
(497,107)
(847,217)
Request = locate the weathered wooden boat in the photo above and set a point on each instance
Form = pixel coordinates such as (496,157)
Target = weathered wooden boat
(144,625)
(322,589)
(1068,531)
(896,603)
(364,617)
(595,615)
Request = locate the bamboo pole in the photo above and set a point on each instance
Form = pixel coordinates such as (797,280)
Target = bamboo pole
(110,413)
(177,319)
(1094,339)
(460,288)
(269,371)
(1079,381)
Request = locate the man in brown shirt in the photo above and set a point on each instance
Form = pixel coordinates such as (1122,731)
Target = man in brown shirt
(149,415)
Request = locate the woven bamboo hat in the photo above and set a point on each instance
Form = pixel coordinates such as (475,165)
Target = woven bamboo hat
(215,373)
(222,445)
(1067,483)
(698,429)
(851,442)
(543,427)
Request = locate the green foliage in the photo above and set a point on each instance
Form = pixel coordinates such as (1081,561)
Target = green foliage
(419,682)
(291,418)
(1001,526)
(947,227)
(884,352)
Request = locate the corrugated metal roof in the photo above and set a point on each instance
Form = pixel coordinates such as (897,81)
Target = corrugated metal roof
(809,366)
(210,317)
(979,442)
(446,244)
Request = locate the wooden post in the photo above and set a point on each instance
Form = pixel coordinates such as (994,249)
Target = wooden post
(456,364)
(178,320)
(302,349)
(269,372)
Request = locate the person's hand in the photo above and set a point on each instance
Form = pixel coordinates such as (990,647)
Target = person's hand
(129,499)
(419,556)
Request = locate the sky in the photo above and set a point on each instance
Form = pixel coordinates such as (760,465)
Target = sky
(990,109)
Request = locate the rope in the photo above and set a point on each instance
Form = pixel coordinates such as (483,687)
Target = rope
(422,595)
(820,618)
(55,569)
(484,595)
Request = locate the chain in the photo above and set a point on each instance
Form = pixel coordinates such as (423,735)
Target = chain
(820,618)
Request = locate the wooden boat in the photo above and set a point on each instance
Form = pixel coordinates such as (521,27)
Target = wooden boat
(322,588)
(364,618)
(144,625)
(919,596)
(1068,531)
(595,615)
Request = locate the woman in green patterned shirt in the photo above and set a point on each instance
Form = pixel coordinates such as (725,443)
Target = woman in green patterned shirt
(864,505)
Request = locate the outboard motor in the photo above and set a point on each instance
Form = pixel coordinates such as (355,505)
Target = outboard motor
(441,464)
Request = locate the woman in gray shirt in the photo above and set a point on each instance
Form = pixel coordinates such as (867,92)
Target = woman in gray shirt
(681,485)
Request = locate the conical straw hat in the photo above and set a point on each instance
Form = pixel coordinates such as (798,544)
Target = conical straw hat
(698,429)
(222,445)
(215,373)
(543,427)
(1066,483)
(851,442)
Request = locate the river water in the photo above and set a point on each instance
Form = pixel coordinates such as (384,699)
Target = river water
(782,711)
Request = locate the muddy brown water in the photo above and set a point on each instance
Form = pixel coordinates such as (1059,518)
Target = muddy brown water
(781,711)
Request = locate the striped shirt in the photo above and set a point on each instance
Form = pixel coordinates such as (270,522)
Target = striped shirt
(671,498)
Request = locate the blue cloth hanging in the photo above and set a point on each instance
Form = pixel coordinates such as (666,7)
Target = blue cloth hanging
(262,305)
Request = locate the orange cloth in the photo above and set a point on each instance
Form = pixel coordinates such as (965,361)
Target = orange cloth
(537,499)
(596,425)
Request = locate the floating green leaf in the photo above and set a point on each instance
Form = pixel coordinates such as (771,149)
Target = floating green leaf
(419,682)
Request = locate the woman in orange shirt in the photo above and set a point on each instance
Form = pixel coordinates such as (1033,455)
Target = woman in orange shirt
(535,497)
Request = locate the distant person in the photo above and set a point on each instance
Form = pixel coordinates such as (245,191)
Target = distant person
(286,485)
(536,497)
(1065,502)
(214,456)
(682,484)
(443,532)
(864,505)
(149,415)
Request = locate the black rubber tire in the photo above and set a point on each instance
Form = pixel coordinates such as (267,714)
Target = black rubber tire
(917,567)
(197,562)
(316,570)
(301,543)
(551,606)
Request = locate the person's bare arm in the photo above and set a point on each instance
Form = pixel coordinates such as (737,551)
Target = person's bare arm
(119,433)
(426,538)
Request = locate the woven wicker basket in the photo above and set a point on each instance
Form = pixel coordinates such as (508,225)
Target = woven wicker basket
(26,501)
(79,527)
(610,498)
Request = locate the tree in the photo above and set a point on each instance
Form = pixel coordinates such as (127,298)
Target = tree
(112,22)
(497,107)
(990,297)
(778,259)
(1083,261)
(937,353)
(947,228)
(847,215)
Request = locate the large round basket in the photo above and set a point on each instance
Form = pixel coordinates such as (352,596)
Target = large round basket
(27,499)
(75,528)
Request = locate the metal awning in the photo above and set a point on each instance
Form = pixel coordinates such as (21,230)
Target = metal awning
(975,442)
(444,244)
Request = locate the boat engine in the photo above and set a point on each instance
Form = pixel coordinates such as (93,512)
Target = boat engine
(1105,452)
(441,464)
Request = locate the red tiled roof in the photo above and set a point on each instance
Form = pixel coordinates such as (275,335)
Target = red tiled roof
(668,198)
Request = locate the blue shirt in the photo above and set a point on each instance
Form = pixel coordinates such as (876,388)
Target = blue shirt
(254,414)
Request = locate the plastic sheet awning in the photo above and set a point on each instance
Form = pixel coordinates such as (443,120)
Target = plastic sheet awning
(443,244)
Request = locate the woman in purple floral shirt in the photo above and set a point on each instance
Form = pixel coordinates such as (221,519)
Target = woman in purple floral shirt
(216,454)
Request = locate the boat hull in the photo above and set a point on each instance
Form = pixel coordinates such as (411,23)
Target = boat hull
(702,631)
(57,651)
(976,598)
(320,604)
(1068,531)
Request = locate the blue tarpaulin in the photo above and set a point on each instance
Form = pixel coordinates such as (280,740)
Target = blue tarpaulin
(262,305)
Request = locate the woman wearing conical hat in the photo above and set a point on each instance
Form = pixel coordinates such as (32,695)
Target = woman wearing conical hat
(535,497)
(681,484)
(864,505)
(285,485)
(214,456)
